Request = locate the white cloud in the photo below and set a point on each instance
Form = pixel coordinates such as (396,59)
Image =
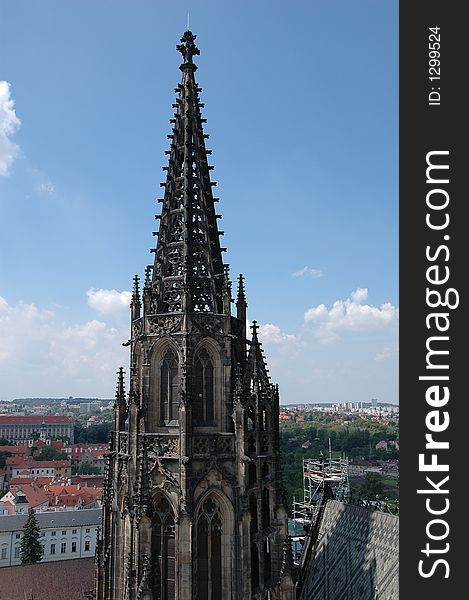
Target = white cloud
(349,315)
(47,187)
(109,302)
(385,354)
(360,295)
(9,124)
(41,356)
(308,272)
(271,334)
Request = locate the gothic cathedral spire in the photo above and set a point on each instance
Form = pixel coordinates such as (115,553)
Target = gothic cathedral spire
(193,505)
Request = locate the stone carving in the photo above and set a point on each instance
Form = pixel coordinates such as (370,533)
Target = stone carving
(145,575)
(163,325)
(213,444)
(207,325)
(122,470)
(172,295)
(157,449)
(159,445)
(124,442)
(137,329)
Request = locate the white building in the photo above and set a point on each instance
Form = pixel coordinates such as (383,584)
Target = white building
(64,535)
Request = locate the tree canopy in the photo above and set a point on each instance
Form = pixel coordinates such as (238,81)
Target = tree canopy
(30,548)
(50,453)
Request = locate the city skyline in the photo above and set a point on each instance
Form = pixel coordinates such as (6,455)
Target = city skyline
(303,126)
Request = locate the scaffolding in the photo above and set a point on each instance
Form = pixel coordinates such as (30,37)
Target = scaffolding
(317,473)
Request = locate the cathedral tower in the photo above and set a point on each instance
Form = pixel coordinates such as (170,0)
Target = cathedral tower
(193,506)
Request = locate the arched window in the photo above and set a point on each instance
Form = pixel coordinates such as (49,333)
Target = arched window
(263,419)
(209,552)
(203,405)
(267,561)
(265,508)
(264,470)
(169,388)
(251,444)
(254,567)
(253,526)
(163,553)
(252,473)
(250,419)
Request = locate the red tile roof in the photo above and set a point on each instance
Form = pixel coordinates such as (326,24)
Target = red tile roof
(39,481)
(35,496)
(33,420)
(99,453)
(89,480)
(29,463)
(14,460)
(22,449)
(48,580)
(70,495)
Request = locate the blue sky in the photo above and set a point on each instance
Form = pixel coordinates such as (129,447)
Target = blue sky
(301,103)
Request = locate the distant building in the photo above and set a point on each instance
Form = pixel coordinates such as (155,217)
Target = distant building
(21,499)
(18,482)
(91,406)
(89,480)
(83,455)
(382,445)
(19,429)
(74,496)
(20,450)
(26,467)
(64,535)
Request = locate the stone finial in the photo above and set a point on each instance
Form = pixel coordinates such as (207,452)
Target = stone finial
(136,290)
(187,47)
(120,388)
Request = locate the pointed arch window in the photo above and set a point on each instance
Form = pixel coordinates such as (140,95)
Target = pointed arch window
(254,567)
(252,474)
(265,507)
(203,407)
(263,419)
(253,524)
(163,553)
(267,561)
(169,388)
(250,419)
(209,552)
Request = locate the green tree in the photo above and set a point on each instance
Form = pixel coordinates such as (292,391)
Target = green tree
(374,485)
(31,548)
(371,488)
(50,453)
(95,434)
(3,457)
(88,470)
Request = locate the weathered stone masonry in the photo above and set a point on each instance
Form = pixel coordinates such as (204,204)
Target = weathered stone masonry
(193,506)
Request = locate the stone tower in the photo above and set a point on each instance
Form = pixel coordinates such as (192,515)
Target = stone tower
(193,504)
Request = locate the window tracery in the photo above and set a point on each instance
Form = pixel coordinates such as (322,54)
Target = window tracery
(209,552)
(169,388)
(163,552)
(203,407)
